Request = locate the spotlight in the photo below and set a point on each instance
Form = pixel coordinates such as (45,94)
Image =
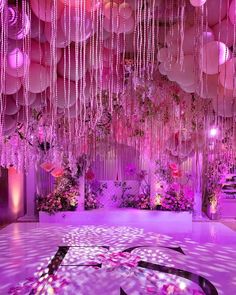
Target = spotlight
(182,285)
(213,132)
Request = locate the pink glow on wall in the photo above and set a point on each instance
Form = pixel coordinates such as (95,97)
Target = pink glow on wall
(15,192)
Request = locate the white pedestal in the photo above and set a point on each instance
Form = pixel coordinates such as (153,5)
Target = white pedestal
(171,222)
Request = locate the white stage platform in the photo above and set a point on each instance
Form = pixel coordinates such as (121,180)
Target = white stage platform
(147,219)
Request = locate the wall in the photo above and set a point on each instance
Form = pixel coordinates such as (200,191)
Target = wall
(4,214)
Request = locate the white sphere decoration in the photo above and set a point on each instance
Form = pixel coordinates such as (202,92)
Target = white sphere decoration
(197,3)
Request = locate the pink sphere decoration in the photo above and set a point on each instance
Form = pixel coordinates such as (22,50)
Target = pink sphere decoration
(126,25)
(11,85)
(18,23)
(186,74)
(47,56)
(208,87)
(17,63)
(8,123)
(66,93)
(77,27)
(232,12)
(227,74)
(216,10)
(224,107)
(224,32)
(37,26)
(39,78)
(197,3)
(44,9)
(125,10)
(71,73)
(24,98)
(215,54)
(62,41)
(111,10)
(11,107)
(190,39)
(162,54)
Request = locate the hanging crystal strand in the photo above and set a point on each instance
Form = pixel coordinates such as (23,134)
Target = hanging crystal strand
(83,80)
(140,39)
(153,39)
(4,34)
(144,39)
(53,72)
(81,106)
(68,98)
(149,40)
(77,105)
(113,23)
(65,69)
(99,103)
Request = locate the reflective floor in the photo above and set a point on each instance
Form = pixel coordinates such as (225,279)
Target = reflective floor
(41,258)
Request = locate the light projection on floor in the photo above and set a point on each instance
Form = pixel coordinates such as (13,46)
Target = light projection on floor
(53,259)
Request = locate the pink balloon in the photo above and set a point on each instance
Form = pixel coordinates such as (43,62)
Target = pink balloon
(17,63)
(216,10)
(224,107)
(76,26)
(71,112)
(162,69)
(72,73)
(61,40)
(126,25)
(11,85)
(11,107)
(186,73)
(226,93)
(125,10)
(162,54)
(208,86)
(189,89)
(24,98)
(66,93)
(224,32)
(39,78)
(189,43)
(47,55)
(36,52)
(111,25)
(89,5)
(44,9)
(8,123)
(197,3)
(37,26)
(18,23)
(227,74)
(232,12)
(111,10)
(214,54)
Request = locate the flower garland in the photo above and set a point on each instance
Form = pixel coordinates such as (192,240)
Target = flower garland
(63,198)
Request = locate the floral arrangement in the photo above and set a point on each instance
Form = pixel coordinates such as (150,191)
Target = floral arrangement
(93,190)
(171,195)
(63,198)
(216,169)
(141,201)
(177,198)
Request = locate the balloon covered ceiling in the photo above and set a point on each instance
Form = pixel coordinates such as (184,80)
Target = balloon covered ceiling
(158,75)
